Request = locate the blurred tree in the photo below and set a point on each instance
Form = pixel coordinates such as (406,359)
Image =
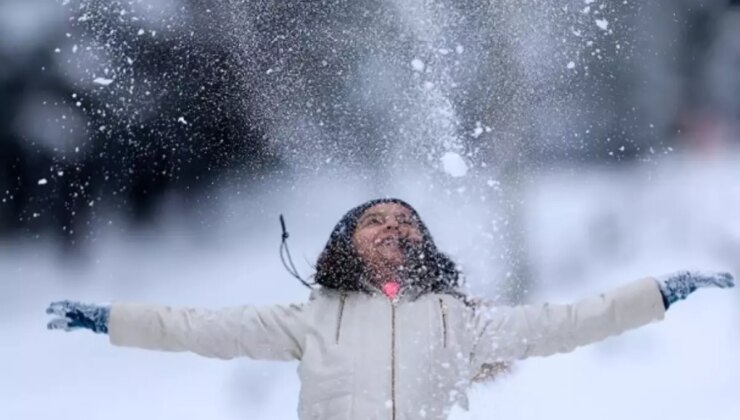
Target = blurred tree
(167,120)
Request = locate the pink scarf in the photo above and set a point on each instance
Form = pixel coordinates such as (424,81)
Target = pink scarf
(391,289)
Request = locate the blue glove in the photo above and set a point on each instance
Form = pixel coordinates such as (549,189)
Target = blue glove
(76,315)
(679,285)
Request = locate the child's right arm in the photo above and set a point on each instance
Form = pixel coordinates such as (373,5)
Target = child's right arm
(269,332)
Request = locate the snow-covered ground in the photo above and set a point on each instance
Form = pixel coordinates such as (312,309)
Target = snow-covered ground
(589,229)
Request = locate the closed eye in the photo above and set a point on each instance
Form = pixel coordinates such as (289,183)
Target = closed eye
(373,221)
(405,221)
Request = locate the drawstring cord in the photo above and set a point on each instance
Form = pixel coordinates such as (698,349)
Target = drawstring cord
(284,251)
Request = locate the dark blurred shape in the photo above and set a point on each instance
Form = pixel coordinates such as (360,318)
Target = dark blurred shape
(187,129)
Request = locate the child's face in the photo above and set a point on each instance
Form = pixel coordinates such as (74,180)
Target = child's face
(379,234)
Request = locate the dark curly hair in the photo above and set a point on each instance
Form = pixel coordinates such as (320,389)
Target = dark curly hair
(340,268)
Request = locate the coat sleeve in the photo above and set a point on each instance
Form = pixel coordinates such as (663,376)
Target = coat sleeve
(513,333)
(268,332)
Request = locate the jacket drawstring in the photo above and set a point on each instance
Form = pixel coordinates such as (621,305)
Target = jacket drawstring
(288,262)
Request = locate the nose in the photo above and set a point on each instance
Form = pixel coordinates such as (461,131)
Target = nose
(391,223)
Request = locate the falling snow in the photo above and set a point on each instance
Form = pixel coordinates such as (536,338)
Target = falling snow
(102,81)
(454,165)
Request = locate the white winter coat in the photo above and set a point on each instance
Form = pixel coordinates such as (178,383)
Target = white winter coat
(363,357)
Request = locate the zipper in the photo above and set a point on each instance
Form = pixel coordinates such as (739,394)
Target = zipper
(342,298)
(443,310)
(393,361)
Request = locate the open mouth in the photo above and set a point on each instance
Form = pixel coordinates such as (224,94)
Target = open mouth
(392,240)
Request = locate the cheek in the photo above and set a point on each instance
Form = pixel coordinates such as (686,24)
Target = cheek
(414,234)
(362,242)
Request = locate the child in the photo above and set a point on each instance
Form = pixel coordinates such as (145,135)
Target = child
(387,334)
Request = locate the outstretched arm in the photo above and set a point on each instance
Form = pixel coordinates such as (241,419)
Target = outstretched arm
(269,332)
(511,333)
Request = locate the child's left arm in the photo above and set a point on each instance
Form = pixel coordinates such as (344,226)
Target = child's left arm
(511,333)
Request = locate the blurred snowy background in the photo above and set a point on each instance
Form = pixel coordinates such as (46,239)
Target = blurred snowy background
(556,149)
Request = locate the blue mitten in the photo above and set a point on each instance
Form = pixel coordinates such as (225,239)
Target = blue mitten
(76,315)
(679,285)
